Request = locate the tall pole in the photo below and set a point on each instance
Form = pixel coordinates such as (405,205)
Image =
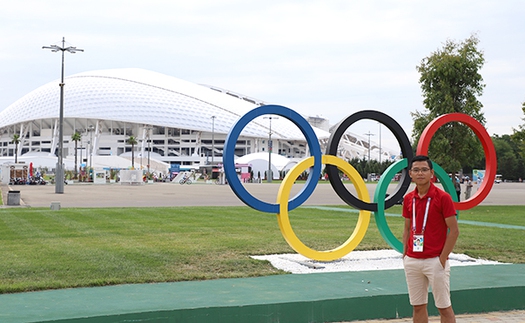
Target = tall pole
(212,139)
(59,186)
(91,128)
(380,152)
(270,153)
(149,147)
(270,147)
(369,134)
(81,148)
(59,176)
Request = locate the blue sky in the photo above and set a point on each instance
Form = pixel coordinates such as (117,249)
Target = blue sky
(326,58)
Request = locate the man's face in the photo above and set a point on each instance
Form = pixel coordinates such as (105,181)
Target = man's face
(421,173)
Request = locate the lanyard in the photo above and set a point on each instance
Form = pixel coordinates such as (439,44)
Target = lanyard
(414,215)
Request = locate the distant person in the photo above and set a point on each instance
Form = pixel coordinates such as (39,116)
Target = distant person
(457,186)
(480,179)
(468,189)
(429,235)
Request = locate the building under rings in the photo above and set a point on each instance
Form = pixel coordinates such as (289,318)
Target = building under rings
(173,121)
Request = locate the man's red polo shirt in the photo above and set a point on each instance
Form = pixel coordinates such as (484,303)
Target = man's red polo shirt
(435,235)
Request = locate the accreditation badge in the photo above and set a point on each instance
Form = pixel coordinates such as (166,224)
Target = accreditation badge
(417,245)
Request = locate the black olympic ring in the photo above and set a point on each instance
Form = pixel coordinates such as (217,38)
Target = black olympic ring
(406,150)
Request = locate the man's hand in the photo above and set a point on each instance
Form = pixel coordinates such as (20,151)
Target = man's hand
(452,237)
(443,260)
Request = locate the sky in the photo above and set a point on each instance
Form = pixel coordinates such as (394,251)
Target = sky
(319,58)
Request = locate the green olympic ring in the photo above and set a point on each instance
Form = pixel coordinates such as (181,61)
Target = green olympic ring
(380,194)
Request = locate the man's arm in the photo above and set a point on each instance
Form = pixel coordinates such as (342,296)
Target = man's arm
(406,236)
(452,237)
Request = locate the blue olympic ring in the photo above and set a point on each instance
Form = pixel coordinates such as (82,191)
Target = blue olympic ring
(229,162)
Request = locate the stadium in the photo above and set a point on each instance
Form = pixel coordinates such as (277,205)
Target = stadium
(174,122)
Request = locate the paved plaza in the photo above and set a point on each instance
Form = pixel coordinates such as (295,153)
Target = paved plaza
(201,194)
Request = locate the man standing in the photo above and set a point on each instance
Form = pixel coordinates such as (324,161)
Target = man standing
(457,186)
(468,190)
(429,235)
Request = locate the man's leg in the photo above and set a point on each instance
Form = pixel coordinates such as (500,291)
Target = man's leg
(420,314)
(417,284)
(447,315)
(440,281)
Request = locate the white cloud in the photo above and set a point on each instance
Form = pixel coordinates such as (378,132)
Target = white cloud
(315,56)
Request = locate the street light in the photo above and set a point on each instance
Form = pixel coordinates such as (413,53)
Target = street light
(59,187)
(369,134)
(380,152)
(269,177)
(81,148)
(148,128)
(141,153)
(212,138)
(90,130)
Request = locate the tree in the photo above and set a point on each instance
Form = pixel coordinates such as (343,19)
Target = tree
(508,158)
(16,141)
(518,141)
(132,141)
(450,82)
(518,136)
(76,137)
(365,167)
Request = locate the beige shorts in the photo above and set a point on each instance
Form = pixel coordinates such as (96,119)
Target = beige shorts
(420,273)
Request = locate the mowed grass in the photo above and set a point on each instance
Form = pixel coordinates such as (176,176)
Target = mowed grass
(44,249)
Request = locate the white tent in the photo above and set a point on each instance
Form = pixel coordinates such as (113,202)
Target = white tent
(259,163)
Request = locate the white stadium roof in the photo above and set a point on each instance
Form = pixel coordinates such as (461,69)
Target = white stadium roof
(145,97)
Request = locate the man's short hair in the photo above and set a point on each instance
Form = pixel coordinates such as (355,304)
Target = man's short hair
(422,158)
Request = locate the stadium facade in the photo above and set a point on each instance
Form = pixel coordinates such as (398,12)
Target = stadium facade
(174,121)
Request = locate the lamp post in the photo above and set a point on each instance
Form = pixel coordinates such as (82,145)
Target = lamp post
(369,134)
(59,187)
(380,152)
(148,138)
(81,148)
(270,146)
(212,139)
(90,129)
(141,153)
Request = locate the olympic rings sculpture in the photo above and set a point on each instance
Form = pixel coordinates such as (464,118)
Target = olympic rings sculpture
(333,163)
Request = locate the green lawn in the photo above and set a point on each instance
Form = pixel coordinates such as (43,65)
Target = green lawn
(44,249)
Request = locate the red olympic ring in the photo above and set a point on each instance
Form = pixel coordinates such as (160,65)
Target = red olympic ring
(486,142)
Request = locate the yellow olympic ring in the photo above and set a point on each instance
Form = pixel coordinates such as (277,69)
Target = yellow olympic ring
(284,221)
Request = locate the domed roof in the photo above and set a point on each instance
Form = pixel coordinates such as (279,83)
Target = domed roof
(145,97)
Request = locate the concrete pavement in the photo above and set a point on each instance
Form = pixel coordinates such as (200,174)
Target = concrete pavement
(507,317)
(201,194)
